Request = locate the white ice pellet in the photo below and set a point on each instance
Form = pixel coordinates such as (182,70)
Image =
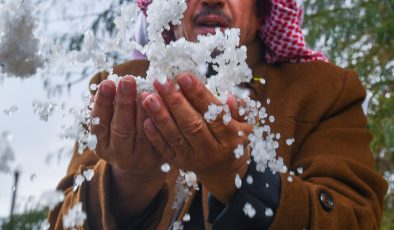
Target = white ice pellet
(91,141)
(262,81)
(290,179)
(88,174)
(241,111)
(241,134)
(290,141)
(165,167)
(269,212)
(249,179)
(93,87)
(268,101)
(96,121)
(190,179)
(249,210)
(226,118)
(186,217)
(300,170)
(177,225)
(79,179)
(267,185)
(239,151)
(238,181)
(213,112)
(75,217)
(271,119)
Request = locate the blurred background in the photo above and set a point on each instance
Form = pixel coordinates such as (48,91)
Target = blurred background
(354,34)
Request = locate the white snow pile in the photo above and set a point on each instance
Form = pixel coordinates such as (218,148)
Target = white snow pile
(75,217)
(19,46)
(6,153)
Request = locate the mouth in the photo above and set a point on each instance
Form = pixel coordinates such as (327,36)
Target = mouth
(209,23)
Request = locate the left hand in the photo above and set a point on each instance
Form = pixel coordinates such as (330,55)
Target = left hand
(177,128)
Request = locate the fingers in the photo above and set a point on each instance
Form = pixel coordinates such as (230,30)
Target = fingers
(142,115)
(123,121)
(103,108)
(189,121)
(200,98)
(166,125)
(196,92)
(157,140)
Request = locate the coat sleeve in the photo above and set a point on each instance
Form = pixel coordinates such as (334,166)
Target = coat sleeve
(338,188)
(95,198)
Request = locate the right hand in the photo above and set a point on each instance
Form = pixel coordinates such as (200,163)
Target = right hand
(122,143)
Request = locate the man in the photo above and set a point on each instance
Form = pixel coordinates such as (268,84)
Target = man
(313,101)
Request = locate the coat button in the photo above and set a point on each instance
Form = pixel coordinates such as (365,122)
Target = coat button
(326,201)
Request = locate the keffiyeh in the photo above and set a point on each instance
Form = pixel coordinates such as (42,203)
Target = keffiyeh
(281,33)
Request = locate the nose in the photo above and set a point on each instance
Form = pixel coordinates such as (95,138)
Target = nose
(213,3)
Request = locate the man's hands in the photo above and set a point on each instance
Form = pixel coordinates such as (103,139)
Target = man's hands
(135,163)
(176,127)
(178,130)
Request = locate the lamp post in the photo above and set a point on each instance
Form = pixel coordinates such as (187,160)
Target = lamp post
(14,191)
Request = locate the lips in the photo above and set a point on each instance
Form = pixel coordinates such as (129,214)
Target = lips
(212,21)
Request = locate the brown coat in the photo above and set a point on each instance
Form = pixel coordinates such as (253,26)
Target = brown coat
(318,104)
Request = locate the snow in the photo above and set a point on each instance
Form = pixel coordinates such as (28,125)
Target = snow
(249,179)
(44,109)
(19,45)
(238,181)
(249,210)
(88,174)
(75,217)
(239,151)
(290,141)
(51,198)
(186,217)
(269,212)
(165,167)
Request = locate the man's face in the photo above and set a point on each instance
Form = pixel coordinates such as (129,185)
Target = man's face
(203,16)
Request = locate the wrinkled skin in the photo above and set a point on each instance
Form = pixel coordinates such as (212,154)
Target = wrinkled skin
(179,131)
